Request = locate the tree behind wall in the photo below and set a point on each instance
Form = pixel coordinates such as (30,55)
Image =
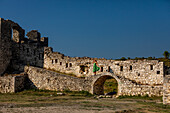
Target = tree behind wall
(166,54)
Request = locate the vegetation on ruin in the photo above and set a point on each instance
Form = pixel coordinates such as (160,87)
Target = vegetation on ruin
(164,59)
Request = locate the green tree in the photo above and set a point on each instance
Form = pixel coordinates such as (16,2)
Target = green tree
(166,54)
(123,58)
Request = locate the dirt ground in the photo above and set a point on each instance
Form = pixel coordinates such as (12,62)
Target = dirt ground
(78,103)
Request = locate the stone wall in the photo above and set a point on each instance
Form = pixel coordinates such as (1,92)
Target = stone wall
(5,47)
(20,82)
(49,80)
(146,72)
(16,49)
(7,84)
(166,90)
(12,83)
(125,86)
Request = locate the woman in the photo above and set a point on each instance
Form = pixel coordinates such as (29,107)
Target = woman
(95,67)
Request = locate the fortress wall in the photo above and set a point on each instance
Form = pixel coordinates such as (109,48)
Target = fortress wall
(166,89)
(146,72)
(30,51)
(12,83)
(28,54)
(137,76)
(16,49)
(133,89)
(5,46)
(125,86)
(49,80)
(61,63)
(7,84)
(20,82)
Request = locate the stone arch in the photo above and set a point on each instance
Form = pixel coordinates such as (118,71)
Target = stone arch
(98,82)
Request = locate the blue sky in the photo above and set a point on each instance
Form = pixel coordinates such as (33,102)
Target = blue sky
(96,28)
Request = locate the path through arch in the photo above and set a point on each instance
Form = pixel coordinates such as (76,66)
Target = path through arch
(99,80)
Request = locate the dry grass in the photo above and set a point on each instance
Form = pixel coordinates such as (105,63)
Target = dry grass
(81,101)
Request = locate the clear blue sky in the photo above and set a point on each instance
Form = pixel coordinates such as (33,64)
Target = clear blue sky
(96,28)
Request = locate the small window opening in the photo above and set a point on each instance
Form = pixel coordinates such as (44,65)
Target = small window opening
(66,65)
(138,74)
(108,68)
(130,67)
(158,72)
(101,69)
(70,64)
(52,61)
(151,67)
(60,63)
(27,50)
(121,68)
(82,68)
(167,72)
(56,60)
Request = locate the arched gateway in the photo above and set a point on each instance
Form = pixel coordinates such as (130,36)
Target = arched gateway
(99,80)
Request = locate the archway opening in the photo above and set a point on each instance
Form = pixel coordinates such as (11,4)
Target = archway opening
(105,85)
(110,86)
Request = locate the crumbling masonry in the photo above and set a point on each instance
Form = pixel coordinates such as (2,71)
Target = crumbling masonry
(32,56)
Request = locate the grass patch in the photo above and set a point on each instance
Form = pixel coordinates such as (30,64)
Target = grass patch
(156,107)
(146,97)
(110,85)
(82,100)
(37,92)
(77,93)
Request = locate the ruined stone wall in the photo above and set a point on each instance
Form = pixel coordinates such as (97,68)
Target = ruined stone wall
(137,77)
(29,51)
(20,82)
(125,86)
(144,72)
(16,49)
(5,47)
(7,84)
(132,89)
(45,79)
(49,80)
(166,89)
(12,83)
